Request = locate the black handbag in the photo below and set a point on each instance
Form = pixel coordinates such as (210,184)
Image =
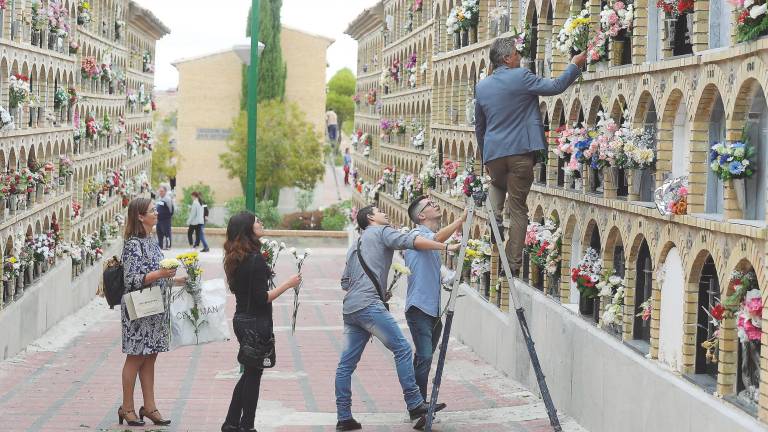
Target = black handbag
(255,350)
(370,274)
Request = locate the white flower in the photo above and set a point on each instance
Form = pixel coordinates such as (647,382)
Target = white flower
(292,251)
(307,252)
(282,245)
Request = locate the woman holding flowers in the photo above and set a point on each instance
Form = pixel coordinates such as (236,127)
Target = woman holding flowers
(248,276)
(143,338)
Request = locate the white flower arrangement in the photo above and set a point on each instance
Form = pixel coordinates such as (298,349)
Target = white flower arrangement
(574,34)
(612,287)
(6,120)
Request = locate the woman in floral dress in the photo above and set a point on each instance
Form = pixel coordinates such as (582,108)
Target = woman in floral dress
(144,337)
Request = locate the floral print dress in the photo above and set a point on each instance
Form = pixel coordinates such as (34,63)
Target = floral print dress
(148,335)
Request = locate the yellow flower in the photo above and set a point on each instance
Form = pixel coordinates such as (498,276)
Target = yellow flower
(399,268)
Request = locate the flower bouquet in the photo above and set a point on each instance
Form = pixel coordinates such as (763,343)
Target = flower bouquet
(732,160)
(612,286)
(675,8)
(523,41)
(597,48)
(543,242)
(83,12)
(645,308)
(574,35)
(270,251)
(6,120)
(752,21)
(19,91)
(616,17)
(587,274)
(475,186)
(371,97)
(389,175)
(672,197)
(639,149)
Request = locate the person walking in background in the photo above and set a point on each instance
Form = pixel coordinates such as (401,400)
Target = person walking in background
(195,220)
(248,278)
(422,302)
(143,338)
(347,165)
(366,313)
(165,209)
(201,231)
(510,133)
(331,122)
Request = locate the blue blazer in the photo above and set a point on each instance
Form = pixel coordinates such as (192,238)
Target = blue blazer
(507,115)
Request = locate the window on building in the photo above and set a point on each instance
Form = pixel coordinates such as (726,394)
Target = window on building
(719,23)
(681,31)
(709,295)
(714,200)
(643,291)
(680,143)
(648,177)
(757,131)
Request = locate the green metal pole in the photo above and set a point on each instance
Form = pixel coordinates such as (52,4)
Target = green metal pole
(253,80)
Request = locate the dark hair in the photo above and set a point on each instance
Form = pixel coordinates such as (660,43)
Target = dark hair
(362,216)
(133,226)
(412,208)
(241,241)
(501,48)
(195,194)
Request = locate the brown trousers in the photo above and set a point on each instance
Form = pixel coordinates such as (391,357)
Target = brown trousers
(511,178)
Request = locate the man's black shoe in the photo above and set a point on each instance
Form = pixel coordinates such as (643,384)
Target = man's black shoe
(500,224)
(422,421)
(423,408)
(348,425)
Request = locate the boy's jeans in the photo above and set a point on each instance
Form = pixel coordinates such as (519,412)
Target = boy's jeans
(358,327)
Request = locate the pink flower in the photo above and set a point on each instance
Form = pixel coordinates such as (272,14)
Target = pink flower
(530,237)
(613,18)
(753,333)
(755,306)
(683,191)
(618,6)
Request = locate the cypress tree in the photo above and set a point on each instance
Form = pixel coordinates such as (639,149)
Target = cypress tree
(272,69)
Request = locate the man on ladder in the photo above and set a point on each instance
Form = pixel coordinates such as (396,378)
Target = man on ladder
(510,134)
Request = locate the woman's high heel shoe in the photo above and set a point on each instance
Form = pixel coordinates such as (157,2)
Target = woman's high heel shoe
(155,416)
(123,415)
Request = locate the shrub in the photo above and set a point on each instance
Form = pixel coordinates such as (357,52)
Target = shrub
(334,219)
(304,199)
(303,220)
(265,210)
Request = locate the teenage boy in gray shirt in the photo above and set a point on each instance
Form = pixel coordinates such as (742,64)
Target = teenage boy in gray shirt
(365,314)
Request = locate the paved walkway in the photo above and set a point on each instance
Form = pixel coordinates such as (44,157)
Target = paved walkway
(69,380)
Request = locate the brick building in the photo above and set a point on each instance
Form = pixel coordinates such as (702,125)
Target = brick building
(82,91)
(685,80)
(203,131)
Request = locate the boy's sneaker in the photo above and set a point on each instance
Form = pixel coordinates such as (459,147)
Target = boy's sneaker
(348,425)
(422,409)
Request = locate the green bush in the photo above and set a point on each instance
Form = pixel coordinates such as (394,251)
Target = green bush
(180,215)
(304,199)
(265,210)
(206,193)
(334,219)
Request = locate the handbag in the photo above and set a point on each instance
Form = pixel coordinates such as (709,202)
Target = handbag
(255,350)
(144,302)
(369,273)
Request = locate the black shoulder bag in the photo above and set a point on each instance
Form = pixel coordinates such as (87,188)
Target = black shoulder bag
(255,350)
(114,279)
(370,274)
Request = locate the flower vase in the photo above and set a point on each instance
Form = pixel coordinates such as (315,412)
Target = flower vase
(485,282)
(9,287)
(636,179)
(740,188)
(456,40)
(466,273)
(3,206)
(29,276)
(473,34)
(464,37)
(586,305)
(39,190)
(568,182)
(13,202)
(52,39)
(617,52)
(670,25)
(33,116)
(19,286)
(30,199)
(44,266)
(749,369)
(36,37)
(38,269)
(69,182)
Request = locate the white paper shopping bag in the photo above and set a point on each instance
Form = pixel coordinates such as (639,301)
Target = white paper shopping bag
(144,303)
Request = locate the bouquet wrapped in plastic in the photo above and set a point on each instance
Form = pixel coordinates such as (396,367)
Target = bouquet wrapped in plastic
(672,197)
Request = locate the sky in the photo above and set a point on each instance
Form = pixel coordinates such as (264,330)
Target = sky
(200,27)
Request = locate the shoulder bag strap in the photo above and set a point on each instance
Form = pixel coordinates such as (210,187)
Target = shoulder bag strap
(368,271)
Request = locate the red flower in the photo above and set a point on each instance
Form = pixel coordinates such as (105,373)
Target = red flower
(743,16)
(717,312)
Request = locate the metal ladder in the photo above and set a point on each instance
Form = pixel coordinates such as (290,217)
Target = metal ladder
(519,311)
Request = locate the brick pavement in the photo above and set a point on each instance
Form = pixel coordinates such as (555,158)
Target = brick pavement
(77,386)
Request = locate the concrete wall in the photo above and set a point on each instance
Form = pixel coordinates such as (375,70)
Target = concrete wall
(49,300)
(592,376)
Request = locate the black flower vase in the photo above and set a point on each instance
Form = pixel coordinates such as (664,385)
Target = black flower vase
(464,37)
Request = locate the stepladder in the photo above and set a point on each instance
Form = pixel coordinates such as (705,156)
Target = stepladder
(484,200)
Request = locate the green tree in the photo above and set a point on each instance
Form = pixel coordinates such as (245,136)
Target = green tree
(162,168)
(289,153)
(341,88)
(272,68)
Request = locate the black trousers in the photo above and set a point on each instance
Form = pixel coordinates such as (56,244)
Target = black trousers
(196,230)
(245,397)
(164,233)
